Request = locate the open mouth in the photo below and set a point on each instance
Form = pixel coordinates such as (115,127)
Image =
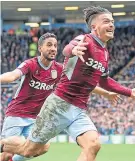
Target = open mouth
(109,31)
(52,55)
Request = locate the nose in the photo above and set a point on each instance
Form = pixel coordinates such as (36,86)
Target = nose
(111,24)
(54,48)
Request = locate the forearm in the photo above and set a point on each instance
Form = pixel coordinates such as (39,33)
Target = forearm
(10,76)
(13,145)
(6,77)
(100,91)
(21,146)
(111,85)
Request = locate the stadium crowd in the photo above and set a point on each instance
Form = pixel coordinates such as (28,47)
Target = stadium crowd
(19,45)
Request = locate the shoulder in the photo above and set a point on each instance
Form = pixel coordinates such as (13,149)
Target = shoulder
(31,61)
(57,64)
(88,37)
(79,38)
(30,64)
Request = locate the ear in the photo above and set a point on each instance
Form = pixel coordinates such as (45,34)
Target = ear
(93,27)
(39,49)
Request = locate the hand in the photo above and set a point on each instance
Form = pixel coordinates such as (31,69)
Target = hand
(133,93)
(5,156)
(12,143)
(113,97)
(79,50)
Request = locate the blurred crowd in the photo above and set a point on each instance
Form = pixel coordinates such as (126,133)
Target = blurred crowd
(19,45)
(110,119)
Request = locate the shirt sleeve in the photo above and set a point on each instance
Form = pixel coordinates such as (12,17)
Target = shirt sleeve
(111,85)
(24,68)
(67,51)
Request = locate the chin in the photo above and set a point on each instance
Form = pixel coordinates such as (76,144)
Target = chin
(110,37)
(50,59)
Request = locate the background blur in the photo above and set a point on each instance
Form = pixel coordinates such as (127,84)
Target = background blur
(24,22)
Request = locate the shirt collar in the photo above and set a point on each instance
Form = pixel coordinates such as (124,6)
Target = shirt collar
(98,40)
(42,65)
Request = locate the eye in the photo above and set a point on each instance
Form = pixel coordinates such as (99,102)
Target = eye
(55,45)
(49,44)
(106,21)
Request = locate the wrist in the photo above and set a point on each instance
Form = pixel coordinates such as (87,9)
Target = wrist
(106,94)
(73,50)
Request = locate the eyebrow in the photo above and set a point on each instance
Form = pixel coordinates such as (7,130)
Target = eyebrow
(49,42)
(108,19)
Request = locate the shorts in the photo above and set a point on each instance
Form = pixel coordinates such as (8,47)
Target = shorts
(57,115)
(16,126)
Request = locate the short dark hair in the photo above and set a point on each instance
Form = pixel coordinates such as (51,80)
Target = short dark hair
(91,12)
(44,37)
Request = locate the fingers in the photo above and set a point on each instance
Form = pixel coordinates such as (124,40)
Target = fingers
(120,98)
(83,44)
(81,48)
(79,53)
(82,59)
(5,156)
(115,98)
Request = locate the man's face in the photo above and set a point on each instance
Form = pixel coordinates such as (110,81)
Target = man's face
(49,48)
(104,26)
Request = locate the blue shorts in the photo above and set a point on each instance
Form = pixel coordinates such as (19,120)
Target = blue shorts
(16,126)
(57,115)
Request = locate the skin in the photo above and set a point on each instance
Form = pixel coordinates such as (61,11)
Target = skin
(48,51)
(102,27)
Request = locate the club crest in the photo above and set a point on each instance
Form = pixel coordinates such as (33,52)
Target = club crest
(54,74)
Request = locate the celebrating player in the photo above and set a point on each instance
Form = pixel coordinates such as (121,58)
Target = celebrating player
(66,107)
(38,78)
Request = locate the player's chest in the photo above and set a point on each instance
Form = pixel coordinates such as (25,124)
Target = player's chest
(97,58)
(41,79)
(44,75)
(98,53)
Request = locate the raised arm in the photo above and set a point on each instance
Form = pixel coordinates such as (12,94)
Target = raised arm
(76,47)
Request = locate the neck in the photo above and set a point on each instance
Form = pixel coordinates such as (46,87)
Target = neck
(45,62)
(98,36)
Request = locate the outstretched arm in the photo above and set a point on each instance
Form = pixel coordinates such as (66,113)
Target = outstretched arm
(76,47)
(111,96)
(10,76)
(111,85)
(22,69)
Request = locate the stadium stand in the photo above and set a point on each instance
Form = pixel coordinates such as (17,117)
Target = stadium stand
(19,45)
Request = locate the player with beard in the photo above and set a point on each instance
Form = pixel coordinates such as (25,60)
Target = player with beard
(39,76)
(66,107)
